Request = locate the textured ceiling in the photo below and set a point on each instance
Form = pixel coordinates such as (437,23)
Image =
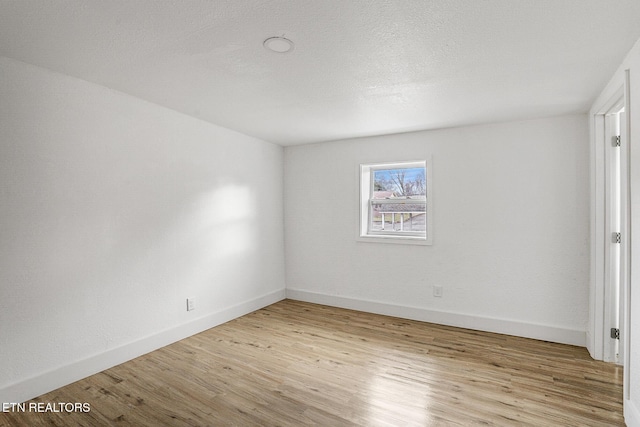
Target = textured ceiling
(358,68)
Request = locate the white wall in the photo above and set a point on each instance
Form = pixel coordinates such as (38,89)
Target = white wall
(631,329)
(511,229)
(112,212)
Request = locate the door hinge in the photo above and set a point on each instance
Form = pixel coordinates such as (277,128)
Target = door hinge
(615,333)
(616,237)
(616,141)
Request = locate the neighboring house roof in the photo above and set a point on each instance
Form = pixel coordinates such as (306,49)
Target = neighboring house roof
(383,194)
(394,207)
(399,208)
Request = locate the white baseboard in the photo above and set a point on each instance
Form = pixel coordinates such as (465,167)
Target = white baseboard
(590,345)
(501,326)
(51,380)
(631,414)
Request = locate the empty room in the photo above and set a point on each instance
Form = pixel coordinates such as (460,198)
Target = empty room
(328,212)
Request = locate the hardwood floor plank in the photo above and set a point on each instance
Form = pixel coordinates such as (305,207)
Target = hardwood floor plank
(295,364)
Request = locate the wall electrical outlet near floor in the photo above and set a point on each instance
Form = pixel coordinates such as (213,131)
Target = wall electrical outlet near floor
(437,291)
(191,304)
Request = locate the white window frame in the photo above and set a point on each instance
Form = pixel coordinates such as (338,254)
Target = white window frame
(366,185)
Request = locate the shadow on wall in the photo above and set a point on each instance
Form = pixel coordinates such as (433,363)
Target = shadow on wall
(203,249)
(206,245)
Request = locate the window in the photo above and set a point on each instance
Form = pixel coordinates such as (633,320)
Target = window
(394,202)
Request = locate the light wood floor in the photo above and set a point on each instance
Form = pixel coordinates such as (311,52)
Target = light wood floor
(294,364)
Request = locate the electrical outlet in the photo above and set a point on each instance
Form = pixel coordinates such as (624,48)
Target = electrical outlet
(437,291)
(191,304)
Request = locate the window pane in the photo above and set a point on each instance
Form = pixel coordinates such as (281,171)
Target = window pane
(398,217)
(399,182)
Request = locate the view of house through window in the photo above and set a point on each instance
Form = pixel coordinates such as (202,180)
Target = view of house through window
(394,200)
(398,200)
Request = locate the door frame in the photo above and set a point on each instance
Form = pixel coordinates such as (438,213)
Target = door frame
(602,301)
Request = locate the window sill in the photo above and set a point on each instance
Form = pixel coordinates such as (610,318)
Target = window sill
(402,240)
